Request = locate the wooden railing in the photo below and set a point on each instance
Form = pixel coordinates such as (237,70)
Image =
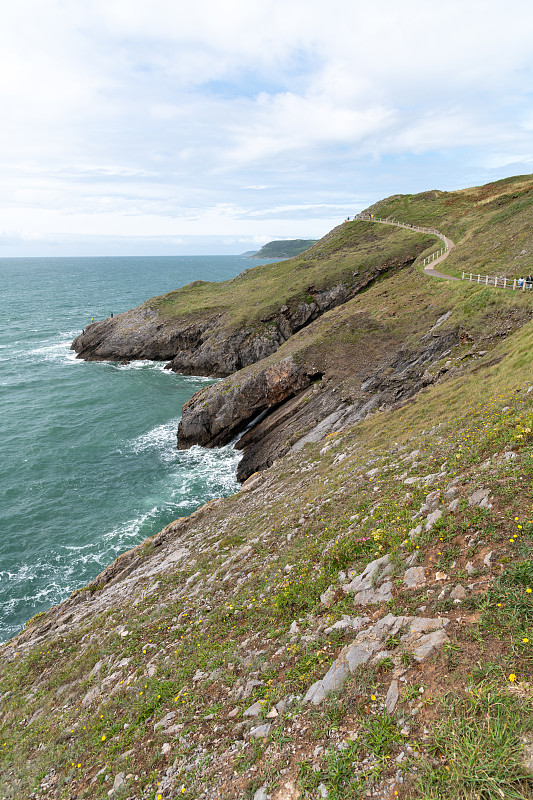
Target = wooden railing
(516,284)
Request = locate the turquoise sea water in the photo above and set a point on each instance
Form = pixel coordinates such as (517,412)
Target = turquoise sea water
(89,465)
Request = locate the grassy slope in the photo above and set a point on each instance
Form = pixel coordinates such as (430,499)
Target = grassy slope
(492,223)
(338,518)
(259,293)
(318,512)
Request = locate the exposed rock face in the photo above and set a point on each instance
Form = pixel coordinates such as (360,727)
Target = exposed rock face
(213,419)
(296,409)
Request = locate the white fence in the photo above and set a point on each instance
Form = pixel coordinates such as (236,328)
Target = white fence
(502,282)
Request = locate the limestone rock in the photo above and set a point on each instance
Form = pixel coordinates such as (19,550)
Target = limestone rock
(253,711)
(92,695)
(480,498)
(423,635)
(327,597)
(458,593)
(432,518)
(373,574)
(261,731)
(380,595)
(392,697)
(414,577)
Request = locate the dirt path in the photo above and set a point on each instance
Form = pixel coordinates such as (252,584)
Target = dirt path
(429,269)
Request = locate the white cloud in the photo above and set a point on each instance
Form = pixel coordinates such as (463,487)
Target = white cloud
(118,114)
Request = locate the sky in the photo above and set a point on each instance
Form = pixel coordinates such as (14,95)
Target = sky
(165,127)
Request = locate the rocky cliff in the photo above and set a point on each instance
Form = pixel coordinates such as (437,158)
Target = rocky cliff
(217,329)
(355,621)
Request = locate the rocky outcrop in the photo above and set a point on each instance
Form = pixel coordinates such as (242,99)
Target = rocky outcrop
(210,344)
(290,405)
(212,418)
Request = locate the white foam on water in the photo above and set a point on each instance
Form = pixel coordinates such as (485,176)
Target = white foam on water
(142,364)
(161,438)
(54,349)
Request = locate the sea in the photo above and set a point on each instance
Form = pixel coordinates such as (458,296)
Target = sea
(89,466)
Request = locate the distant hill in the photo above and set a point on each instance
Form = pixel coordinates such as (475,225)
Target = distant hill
(248,253)
(284,249)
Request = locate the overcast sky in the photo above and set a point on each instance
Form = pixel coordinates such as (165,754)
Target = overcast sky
(201,126)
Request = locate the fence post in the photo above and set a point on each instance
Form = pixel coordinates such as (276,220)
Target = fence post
(463,277)
(514,284)
(470,277)
(487,280)
(505,282)
(496,281)
(479,278)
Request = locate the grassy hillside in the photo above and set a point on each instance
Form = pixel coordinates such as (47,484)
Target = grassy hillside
(261,561)
(492,224)
(259,293)
(183,669)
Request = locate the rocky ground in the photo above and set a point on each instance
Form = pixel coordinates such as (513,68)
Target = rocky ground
(311,636)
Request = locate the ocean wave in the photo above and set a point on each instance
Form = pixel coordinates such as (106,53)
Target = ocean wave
(161,438)
(142,364)
(54,349)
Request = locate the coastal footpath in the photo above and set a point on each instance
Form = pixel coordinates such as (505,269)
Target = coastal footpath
(357,620)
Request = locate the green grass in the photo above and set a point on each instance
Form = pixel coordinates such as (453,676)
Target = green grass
(478,744)
(256,295)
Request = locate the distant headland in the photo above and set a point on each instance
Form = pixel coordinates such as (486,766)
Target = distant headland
(287,248)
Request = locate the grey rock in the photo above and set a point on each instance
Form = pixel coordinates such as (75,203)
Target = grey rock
(322,791)
(433,500)
(166,721)
(477,497)
(487,559)
(91,696)
(327,597)
(470,568)
(294,629)
(432,518)
(250,686)
(253,710)
(117,783)
(261,731)
(380,595)
(392,697)
(373,574)
(458,593)
(414,577)
(453,505)
(422,637)
(527,754)
(429,643)
(261,794)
